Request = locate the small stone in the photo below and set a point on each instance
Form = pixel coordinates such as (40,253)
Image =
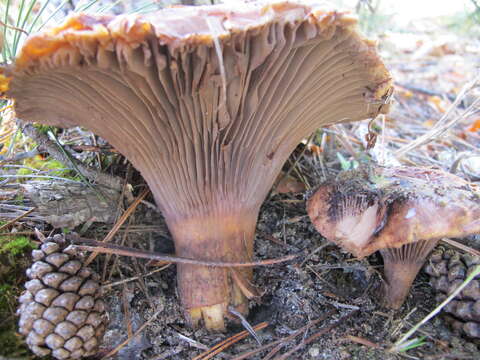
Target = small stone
(314,351)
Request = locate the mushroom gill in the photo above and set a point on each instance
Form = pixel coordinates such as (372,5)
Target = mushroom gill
(207,102)
(401,211)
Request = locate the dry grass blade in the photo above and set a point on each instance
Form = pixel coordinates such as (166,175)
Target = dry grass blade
(445,122)
(460,246)
(11,222)
(363,341)
(221,346)
(119,223)
(140,329)
(245,324)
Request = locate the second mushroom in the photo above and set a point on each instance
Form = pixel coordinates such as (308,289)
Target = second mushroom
(401,211)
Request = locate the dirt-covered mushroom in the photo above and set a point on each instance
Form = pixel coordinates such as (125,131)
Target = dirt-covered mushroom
(401,211)
(207,102)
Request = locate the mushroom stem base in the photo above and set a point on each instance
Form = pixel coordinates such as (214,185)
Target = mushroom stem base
(206,292)
(401,266)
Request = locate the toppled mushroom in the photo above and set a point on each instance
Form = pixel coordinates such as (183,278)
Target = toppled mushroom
(207,102)
(401,211)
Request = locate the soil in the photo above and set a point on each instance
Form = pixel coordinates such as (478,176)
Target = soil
(321,279)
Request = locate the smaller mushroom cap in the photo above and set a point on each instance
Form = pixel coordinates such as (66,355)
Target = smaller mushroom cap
(367,210)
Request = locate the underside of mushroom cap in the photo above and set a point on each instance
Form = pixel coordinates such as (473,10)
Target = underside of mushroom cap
(207,102)
(280,70)
(371,209)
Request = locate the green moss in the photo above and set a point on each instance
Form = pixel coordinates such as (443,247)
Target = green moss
(51,166)
(15,245)
(13,263)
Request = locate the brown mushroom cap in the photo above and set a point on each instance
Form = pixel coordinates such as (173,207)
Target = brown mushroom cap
(401,211)
(365,211)
(207,102)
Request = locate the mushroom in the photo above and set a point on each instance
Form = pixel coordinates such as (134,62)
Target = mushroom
(401,211)
(207,103)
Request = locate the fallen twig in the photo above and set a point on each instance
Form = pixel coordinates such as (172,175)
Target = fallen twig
(460,246)
(118,224)
(101,247)
(11,222)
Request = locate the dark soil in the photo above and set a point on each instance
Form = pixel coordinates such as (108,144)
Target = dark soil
(322,279)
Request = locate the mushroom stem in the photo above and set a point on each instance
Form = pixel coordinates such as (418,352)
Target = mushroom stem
(207,292)
(401,266)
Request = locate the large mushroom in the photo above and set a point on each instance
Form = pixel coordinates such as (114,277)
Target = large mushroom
(207,102)
(401,211)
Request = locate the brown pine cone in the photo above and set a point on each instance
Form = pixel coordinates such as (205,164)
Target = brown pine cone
(447,270)
(61,313)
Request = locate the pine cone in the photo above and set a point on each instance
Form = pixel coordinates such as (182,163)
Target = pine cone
(61,313)
(447,270)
